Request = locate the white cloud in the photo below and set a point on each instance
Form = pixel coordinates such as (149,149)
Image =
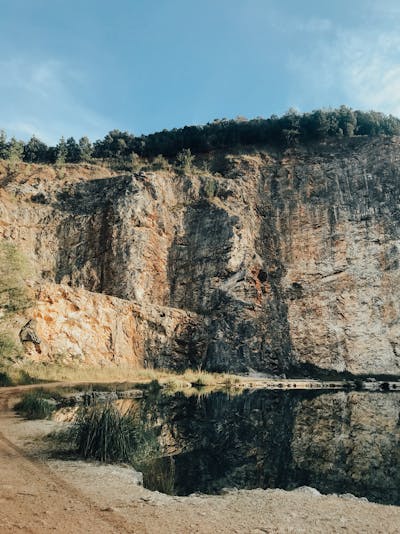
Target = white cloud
(360,67)
(40,99)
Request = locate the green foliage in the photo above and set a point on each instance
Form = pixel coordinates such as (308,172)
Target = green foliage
(160,163)
(103,433)
(210,188)
(13,152)
(13,270)
(61,152)
(3,145)
(136,162)
(9,350)
(73,152)
(287,130)
(35,405)
(85,149)
(5,380)
(35,151)
(184,160)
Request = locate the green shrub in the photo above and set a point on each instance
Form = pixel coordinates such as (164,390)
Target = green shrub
(35,405)
(102,433)
(5,380)
(8,348)
(24,379)
(13,270)
(184,160)
(160,163)
(210,188)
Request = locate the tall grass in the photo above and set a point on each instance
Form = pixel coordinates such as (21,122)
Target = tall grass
(102,432)
(200,378)
(35,405)
(54,372)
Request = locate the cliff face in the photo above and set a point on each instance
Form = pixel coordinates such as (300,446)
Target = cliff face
(284,260)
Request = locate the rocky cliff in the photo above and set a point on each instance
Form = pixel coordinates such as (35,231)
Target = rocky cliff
(278,262)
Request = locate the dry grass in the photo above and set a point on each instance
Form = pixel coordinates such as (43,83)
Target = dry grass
(176,383)
(44,372)
(201,378)
(32,372)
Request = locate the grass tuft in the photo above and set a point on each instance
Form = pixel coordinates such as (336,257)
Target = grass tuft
(103,433)
(35,405)
(200,378)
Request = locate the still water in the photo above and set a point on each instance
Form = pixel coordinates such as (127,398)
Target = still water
(342,442)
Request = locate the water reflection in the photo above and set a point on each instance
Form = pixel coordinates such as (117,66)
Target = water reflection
(337,442)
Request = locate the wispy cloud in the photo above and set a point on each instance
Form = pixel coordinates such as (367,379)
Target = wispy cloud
(361,67)
(43,99)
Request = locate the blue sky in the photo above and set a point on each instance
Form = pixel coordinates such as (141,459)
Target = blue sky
(84,67)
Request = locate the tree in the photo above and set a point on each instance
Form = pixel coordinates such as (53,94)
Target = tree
(347,121)
(73,151)
(3,145)
(62,152)
(15,150)
(85,148)
(13,271)
(35,151)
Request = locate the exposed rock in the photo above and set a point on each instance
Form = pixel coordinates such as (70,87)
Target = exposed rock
(28,333)
(293,261)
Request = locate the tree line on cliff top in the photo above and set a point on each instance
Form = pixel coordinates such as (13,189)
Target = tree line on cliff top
(288,130)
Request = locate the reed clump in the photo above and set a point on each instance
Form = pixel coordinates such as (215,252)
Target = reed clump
(35,405)
(102,432)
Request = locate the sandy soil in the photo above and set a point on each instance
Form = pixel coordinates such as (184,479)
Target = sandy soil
(41,495)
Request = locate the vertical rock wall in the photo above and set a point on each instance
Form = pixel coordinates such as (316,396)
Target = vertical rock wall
(287,260)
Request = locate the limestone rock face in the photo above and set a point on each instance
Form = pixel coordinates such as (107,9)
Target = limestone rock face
(287,260)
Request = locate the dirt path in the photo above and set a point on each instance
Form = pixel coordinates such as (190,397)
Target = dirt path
(75,497)
(34,499)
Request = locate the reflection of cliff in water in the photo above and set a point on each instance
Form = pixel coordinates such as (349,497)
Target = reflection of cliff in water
(339,442)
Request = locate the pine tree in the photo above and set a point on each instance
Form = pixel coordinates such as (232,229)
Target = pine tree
(62,152)
(85,148)
(73,151)
(14,153)
(3,145)
(35,151)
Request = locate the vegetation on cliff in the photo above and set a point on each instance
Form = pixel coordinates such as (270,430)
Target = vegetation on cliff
(14,296)
(125,148)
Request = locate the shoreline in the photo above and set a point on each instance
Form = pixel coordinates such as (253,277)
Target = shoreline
(105,497)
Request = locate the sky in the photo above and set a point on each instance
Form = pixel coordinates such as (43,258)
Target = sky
(85,67)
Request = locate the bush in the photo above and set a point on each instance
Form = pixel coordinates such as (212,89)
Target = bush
(35,405)
(184,160)
(8,348)
(103,433)
(14,296)
(200,378)
(5,380)
(160,163)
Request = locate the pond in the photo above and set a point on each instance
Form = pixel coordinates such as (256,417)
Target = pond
(342,442)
